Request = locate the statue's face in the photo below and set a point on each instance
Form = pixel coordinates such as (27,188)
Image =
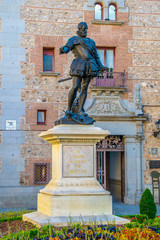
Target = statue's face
(83,31)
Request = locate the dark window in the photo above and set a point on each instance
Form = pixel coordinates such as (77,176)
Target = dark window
(98,11)
(112,12)
(41,173)
(48,60)
(41,117)
(154,164)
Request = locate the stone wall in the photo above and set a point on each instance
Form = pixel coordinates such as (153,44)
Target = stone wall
(49,24)
(145,49)
(34,25)
(11,108)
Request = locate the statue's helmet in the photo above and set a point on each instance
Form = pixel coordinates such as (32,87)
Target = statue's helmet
(82,24)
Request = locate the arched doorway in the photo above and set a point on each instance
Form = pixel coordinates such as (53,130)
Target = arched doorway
(111,167)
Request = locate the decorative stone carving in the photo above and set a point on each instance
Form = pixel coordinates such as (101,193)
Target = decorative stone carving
(139,129)
(111,142)
(138,103)
(108,106)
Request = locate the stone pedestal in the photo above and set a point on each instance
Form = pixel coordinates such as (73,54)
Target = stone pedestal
(73,194)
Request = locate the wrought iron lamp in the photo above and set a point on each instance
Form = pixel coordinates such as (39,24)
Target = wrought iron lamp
(158,128)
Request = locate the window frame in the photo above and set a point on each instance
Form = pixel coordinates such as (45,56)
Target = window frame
(100,4)
(105,54)
(49,52)
(47,173)
(44,111)
(113,4)
(107,79)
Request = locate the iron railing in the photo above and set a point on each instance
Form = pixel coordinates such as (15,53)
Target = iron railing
(109,79)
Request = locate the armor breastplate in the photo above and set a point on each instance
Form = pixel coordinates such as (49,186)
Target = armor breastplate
(80,52)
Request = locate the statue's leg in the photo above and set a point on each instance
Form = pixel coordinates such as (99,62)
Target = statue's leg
(83,94)
(76,82)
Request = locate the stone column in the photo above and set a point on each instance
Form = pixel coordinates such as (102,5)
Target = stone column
(105,12)
(130,169)
(139,168)
(133,169)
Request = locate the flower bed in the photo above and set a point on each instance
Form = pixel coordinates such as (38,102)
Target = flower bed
(140,228)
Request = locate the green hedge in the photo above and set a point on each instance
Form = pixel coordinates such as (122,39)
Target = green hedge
(147,205)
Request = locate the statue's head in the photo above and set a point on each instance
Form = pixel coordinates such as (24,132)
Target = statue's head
(82,29)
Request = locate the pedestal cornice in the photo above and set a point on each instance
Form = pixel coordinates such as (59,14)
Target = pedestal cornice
(70,133)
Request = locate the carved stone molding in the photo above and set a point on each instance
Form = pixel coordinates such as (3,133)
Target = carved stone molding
(108,106)
(138,103)
(104,22)
(111,143)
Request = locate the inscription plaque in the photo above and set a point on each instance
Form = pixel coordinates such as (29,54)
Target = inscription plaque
(78,161)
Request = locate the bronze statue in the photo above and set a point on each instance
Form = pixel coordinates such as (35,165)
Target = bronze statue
(84,67)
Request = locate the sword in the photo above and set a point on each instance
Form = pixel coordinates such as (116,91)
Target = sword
(64,79)
(69,78)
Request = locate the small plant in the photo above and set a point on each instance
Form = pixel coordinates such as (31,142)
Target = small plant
(147,205)
(141,218)
(12,216)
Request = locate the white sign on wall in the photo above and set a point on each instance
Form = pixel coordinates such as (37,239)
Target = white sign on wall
(10,124)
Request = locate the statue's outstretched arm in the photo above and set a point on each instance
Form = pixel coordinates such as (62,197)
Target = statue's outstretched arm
(68,46)
(63,49)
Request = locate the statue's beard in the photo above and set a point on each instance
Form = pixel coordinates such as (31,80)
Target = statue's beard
(82,34)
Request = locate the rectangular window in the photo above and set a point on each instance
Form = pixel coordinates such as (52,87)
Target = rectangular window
(106,56)
(48,60)
(154,164)
(41,173)
(41,117)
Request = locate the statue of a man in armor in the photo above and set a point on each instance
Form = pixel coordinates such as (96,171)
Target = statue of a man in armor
(84,67)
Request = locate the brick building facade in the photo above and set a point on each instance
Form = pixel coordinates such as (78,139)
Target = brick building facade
(129,108)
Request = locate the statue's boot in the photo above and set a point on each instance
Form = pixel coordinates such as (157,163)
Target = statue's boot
(82,112)
(68,113)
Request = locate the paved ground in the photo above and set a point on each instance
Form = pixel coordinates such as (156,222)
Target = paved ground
(118,209)
(125,209)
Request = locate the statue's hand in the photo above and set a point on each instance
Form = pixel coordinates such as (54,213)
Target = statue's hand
(103,68)
(63,50)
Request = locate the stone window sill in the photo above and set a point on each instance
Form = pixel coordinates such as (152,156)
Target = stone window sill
(54,74)
(107,22)
(108,89)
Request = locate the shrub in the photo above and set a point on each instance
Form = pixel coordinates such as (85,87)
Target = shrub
(133,225)
(147,205)
(141,218)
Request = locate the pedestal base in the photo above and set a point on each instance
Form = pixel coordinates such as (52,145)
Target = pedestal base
(40,219)
(73,194)
(75,205)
